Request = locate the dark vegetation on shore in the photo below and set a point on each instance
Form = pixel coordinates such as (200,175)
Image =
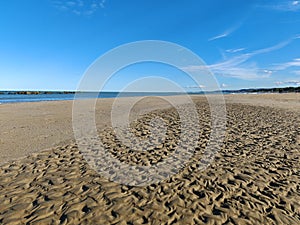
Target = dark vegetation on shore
(266,90)
(35,92)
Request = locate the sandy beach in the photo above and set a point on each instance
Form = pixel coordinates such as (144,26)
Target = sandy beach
(253,179)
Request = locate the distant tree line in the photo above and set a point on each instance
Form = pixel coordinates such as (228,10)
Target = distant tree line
(266,90)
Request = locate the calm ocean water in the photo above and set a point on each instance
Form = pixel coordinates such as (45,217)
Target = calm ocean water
(13,97)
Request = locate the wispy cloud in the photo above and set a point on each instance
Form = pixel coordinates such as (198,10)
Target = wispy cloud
(295,63)
(203,86)
(80,7)
(195,87)
(283,5)
(235,50)
(246,71)
(231,68)
(289,82)
(224,85)
(297,72)
(226,33)
(239,67)
(283,66)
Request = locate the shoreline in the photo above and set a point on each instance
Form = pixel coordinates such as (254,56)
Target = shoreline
(138,94)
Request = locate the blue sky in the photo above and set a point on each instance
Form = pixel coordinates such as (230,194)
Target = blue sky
(48,44)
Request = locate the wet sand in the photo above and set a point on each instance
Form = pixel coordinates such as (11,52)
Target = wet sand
(253,179)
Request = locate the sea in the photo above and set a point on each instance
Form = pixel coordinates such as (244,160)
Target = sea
(17,96)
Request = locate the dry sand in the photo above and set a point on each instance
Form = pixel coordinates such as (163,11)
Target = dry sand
(30,127)
(254,179)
